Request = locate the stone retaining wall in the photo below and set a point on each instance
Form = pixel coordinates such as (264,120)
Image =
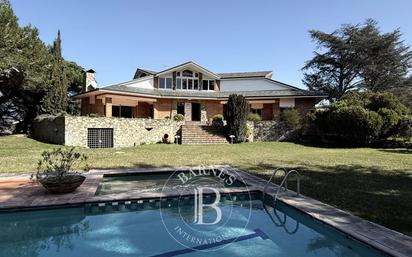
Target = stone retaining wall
(49,129)
(72,130)
(268,131)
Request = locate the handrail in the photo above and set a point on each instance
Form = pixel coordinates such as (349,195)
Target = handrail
(285,179)
(270,180)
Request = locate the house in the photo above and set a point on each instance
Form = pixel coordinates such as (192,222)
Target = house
(193,91)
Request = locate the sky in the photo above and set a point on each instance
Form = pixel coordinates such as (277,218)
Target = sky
(116,37)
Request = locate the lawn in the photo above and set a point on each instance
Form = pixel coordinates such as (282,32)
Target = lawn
(375,184)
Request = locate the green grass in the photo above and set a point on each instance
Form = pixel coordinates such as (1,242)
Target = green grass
(375,184)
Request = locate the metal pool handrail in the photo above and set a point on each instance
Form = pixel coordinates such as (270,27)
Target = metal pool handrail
(284,181)
(273,176)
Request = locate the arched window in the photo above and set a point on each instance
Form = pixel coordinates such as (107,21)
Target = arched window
(187,73)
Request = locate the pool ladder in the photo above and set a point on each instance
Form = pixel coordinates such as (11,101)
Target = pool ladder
(283,184)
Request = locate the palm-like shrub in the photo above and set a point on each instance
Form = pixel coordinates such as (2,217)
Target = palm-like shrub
(236,116)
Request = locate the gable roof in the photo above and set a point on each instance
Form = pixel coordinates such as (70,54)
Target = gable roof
(253,74)
(188,65)
(143,71)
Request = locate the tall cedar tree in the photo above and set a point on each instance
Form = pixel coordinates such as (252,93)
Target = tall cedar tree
(55,101)
(384,58)
(357,56)
(236,113)
(334,71)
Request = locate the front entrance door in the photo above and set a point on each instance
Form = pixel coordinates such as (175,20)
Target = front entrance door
(195,111)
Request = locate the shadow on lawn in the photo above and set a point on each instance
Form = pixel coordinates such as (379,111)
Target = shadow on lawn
(402,151)
(382,196)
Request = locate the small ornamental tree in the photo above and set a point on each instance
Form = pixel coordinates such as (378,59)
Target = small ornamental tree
(236,116)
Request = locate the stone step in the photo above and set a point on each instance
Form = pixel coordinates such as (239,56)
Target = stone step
(201,134)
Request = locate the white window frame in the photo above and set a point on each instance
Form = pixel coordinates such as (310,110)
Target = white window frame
(208,84)
(165,79)
(184,78)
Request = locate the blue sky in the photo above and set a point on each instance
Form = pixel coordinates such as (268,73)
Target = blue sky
(116,37)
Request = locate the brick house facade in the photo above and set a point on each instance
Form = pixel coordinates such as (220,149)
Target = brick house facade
(193,91)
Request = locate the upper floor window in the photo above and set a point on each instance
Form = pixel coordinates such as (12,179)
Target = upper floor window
(165,83)
(208,85)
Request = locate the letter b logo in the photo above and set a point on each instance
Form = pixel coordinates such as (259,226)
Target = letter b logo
(199,205)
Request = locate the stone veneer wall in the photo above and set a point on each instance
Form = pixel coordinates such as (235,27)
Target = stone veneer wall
(49,129)
(72,130)
(268,131)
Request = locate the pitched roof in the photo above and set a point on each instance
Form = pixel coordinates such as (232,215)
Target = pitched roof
(253,74)
(149,71)
(165,93)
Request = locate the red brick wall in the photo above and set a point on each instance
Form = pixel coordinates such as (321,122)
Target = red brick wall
(304,105)
(267,112)
(143,110)
(162,108)
(213,108)
(97,107)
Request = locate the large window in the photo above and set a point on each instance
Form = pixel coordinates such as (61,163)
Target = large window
(165,83)
(187,80)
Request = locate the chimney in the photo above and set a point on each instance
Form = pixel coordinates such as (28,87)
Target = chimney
(89,80)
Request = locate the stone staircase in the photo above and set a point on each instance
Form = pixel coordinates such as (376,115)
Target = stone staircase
(201,134)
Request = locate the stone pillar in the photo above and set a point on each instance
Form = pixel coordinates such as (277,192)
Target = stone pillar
(203,113)
(188,111)
(108,110)
(155,112)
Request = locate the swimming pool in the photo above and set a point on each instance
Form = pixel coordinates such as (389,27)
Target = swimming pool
(136,228)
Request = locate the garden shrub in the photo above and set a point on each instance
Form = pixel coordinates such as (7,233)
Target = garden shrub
(218,120)
(404,128)
(390,119)
(359,118)
(236,117)
(179,117)
(290,117)
(254,117)
(218,117)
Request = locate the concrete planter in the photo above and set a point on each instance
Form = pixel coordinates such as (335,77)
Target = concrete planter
(63,185)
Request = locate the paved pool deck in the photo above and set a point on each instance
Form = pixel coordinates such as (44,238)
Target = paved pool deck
(20,193)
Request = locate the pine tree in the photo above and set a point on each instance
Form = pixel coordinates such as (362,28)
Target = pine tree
(56,99)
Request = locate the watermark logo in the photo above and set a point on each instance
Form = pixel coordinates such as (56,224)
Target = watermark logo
(199,205)
(202,209)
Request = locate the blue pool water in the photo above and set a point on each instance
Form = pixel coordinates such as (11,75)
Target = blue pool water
(136,229)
